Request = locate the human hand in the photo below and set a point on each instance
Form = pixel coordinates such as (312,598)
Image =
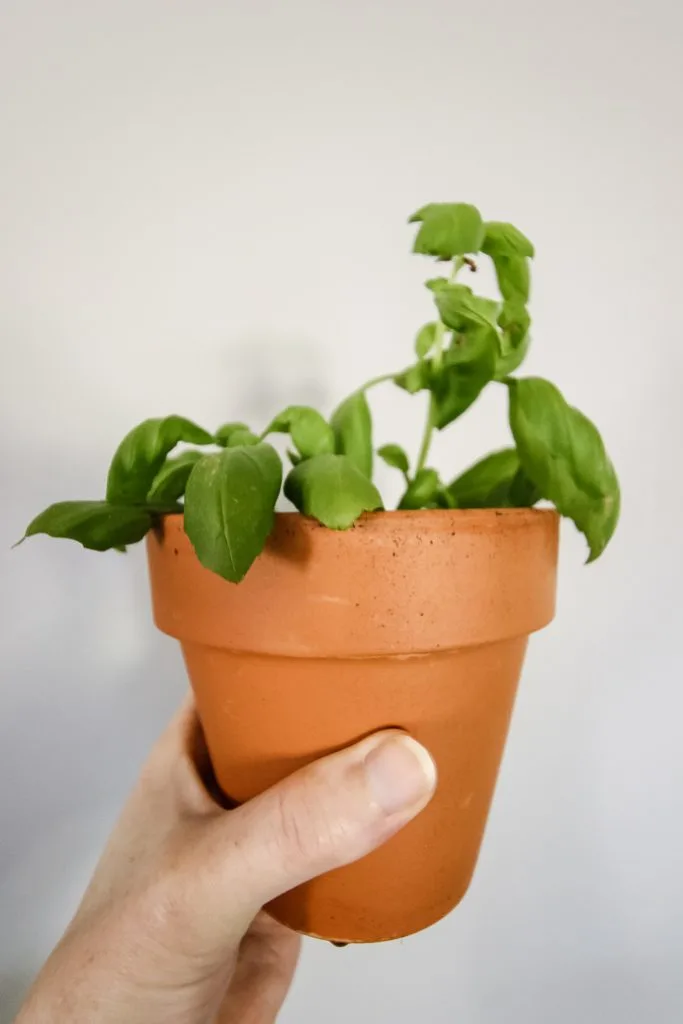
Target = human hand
(170,930)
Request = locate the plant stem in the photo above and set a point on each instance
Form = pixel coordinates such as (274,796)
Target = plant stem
(437,349)
(426,438)
(382,379)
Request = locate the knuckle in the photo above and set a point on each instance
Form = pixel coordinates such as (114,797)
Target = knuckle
(297,824)
(317,824)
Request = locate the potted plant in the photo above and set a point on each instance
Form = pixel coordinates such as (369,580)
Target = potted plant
(304,631)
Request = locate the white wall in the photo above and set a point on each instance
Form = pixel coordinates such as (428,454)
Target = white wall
(202,211)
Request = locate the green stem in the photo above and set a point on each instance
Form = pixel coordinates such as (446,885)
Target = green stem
(382,379)
(426,438)
(437,347)
(437,356)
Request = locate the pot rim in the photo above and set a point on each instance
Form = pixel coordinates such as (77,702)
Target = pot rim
(434,518)
(395,583)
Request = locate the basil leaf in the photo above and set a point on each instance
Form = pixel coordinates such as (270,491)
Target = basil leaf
(142,453)
(512,273)
(460,309)
(224,433)
(241,438)
(515,339)
(169,483)
(352,425)
(332,490)
(512,359)
(423,491)
(435,284)
(414,379)
(468,364)
(470,360)
(310,432)
(395,457)
(467,367)
(523,492)
(448,230)
(97,525)
(563,454)
(510,251)
(424,342)
(445,500)
(486,483)
(496,481)
(505,240)
(230,507)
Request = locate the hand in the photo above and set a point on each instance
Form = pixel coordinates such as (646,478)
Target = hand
(170,930)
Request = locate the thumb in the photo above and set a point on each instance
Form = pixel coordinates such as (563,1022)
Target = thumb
(322,817)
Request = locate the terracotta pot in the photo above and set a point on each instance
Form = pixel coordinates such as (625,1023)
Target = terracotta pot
(417,620)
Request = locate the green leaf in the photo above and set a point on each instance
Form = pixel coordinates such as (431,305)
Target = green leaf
(514,321)
(563,454)
(496,481)
(460,309)
(169,483)
(224,433)
(142,453)
(415,378)
(448,230)
(486,483)
(510,251)
(423,491)
(445,500)
(395,457)
(332,490)
(424,342)
(310,432)
(512,359)
(352,426)
(523,492)
(505,240)
(435,284)
(515,339)
(242,438)
(513,278)
(469,362)
(467,367)
(97,525)
(230,507)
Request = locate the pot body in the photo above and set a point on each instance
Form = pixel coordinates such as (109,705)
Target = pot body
(414,620)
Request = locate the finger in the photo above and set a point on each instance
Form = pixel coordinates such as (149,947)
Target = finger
(267,960)
(322,817)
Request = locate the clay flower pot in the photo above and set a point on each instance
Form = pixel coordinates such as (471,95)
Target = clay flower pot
(417,620)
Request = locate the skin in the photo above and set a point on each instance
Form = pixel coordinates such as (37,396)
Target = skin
(170,930)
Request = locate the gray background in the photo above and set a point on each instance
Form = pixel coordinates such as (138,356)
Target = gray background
(202,210)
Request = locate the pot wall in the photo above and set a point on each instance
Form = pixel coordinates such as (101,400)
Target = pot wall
(411,620)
